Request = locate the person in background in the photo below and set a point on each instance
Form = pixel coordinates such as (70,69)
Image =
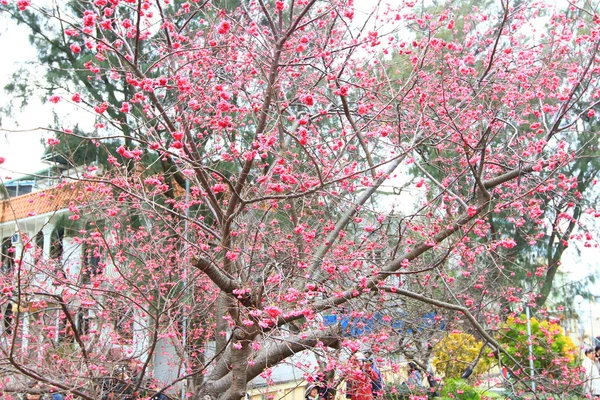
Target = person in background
(312,392)
(327,387)
(360,378)
(415,378)
(376,384)
(56,396)
(592,373)
(34,393)
(119,385)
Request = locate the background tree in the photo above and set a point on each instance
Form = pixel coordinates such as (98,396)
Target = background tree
(537,252)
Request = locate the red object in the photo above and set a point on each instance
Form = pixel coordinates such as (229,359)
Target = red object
(359,383)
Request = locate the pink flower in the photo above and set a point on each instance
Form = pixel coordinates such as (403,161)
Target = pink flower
(223,106)
(23,4)
(231,255)
(507,243)
(100,108)
(224,27)
(273,312)
(342,91)
(89,19)
(2,160)
(274,279)
(54,98)
(177,135)
(106,24)
(591,113)
(125,153)
(472,211)
(125,107)
(75,48)
(76,98)
(52,141)
(289,179)
(219,187)
(308,99)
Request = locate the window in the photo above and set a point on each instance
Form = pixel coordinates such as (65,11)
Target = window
(8,318)
(56,246)
(82,322)
(39,247)
(18,188)
(91,265)
(123,322)
(65,330)
(7,256)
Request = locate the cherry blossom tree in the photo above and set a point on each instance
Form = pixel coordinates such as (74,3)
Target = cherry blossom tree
(286,124)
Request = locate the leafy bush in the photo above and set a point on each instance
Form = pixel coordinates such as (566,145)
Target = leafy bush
(403,392)
(553,351)
(459,389)
(456,352)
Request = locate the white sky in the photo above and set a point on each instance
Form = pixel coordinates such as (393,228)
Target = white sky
(22,150)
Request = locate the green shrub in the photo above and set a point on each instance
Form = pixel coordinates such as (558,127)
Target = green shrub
(459,389)
(551,347)
(403,392)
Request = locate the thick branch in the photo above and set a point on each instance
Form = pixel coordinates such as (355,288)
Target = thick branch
(217,276)
(277,351)
(359,135)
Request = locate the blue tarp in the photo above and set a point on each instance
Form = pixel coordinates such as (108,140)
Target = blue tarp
(354,327)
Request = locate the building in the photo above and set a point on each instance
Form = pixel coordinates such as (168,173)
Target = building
(38,234)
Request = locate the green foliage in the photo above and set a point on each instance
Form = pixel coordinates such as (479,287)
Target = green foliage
(459,389)
(551,347)
(455,352)
(570,395)
(79,149)
(403,392)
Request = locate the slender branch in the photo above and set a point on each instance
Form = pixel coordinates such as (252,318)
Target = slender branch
(137,33)
(359,135)
(346,218)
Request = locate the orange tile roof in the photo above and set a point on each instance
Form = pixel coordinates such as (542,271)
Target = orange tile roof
(37,203)
(50,200)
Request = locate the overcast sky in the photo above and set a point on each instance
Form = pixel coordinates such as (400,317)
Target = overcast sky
(22,150)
